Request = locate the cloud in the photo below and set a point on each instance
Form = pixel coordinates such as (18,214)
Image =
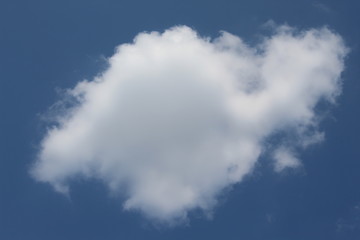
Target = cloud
(350,222)
(322,7)
(177,118)
(284,158)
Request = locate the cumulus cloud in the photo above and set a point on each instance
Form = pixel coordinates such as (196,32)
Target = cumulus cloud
(176,118)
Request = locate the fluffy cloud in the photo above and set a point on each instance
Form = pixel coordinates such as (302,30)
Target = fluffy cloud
(284,158)
(176,117)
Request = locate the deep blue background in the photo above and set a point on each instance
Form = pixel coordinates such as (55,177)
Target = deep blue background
(47,44)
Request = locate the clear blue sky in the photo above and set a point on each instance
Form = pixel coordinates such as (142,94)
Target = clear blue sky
(45,45)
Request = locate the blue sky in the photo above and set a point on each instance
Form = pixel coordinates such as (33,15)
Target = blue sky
(51,45)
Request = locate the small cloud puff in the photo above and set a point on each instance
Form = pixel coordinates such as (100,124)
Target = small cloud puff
(177,118)
(284,158)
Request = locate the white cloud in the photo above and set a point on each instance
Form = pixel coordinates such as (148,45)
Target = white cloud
(176,118)
(284,158)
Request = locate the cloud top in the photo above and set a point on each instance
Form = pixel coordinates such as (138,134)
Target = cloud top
(177,118)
